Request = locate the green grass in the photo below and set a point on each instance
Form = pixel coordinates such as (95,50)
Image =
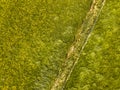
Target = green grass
(99,64)
(35,36)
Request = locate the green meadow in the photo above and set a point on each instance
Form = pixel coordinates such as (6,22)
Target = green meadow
(35,36)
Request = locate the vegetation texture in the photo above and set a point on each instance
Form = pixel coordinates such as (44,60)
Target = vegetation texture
(99,64)
(35,36)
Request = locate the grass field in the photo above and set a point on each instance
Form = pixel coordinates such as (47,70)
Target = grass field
(35,36)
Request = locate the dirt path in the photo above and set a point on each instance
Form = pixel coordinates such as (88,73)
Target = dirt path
(80,41)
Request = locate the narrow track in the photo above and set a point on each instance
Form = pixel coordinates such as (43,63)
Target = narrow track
(79,43)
